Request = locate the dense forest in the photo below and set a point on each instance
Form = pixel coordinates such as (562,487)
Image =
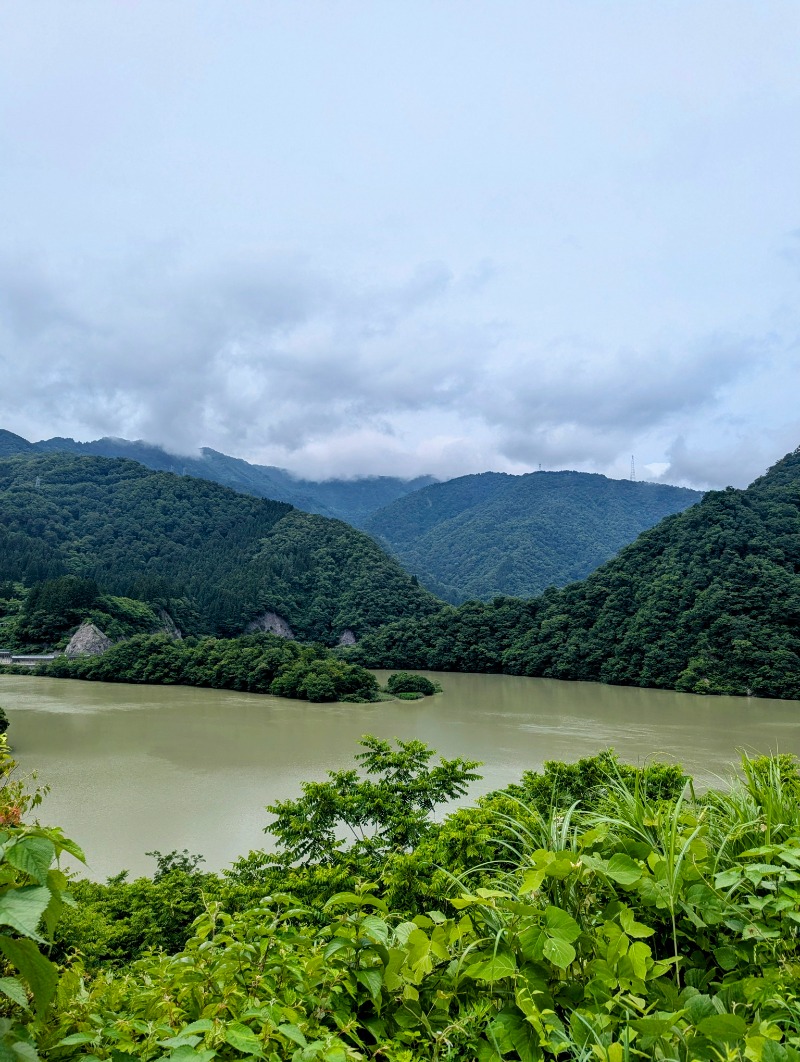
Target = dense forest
(592,911)
(708,601)
(472,537)
(352,500)
(255,663)
(484,535)
(214,559)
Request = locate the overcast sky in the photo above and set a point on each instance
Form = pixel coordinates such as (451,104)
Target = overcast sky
(406,237)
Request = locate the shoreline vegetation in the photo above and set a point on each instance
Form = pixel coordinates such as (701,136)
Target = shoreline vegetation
(256,663)
(707,601)
(593,911)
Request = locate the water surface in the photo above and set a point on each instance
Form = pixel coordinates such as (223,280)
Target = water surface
(137,768)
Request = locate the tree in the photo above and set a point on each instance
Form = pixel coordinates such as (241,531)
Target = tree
(405,682)
(387,811)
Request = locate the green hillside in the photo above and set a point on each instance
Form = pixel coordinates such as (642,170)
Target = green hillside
(218,559)
(352,500)
(483,535)
(708,601)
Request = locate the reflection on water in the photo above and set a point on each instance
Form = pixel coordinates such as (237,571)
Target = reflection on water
(136,768)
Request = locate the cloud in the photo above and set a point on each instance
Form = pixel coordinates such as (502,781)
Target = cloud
(272,359)
(250,353)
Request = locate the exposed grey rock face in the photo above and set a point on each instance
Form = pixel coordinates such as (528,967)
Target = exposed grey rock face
(347,637)
(271,622)
(168,626)
(87,640)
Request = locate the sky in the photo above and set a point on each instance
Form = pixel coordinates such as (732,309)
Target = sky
(360,237)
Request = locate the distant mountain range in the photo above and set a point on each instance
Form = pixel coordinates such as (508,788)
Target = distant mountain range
(471,537)
(217,560)
(351,500)
(707,601)
(483,535)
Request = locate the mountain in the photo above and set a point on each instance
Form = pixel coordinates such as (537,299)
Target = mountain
(220,559)
(476,536)
(351,500)
(483,535)
(707,601)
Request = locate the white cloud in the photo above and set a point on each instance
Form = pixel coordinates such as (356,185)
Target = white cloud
(417,239)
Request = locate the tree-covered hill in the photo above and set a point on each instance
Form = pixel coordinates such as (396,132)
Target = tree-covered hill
(218,558)
(352,500)
(483,535)
(708,601)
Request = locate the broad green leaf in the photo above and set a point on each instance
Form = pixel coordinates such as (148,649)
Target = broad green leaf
(486,1053)
(375,928)
(15,991)
(336,945)
(559,952)
(201,1026)
(502,964)
(561,925)
(372,980)
(293,1033)
(76,1040)
(39,972)
(243,1039)
(631,926)
(22,909)
(188,1054)
(655,1024)
(638,954)
(773,1052)
(726,957)
(622,869)
(726,878)
(181,1040)
(33,855)
(699,1006)
(560,869)
(723,1027)
(531,941)
(24,1052)
(335,1053)
(66,845)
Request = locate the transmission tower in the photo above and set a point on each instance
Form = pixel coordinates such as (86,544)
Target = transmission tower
(633,470)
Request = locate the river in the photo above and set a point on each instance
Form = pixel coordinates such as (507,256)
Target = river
(137,768)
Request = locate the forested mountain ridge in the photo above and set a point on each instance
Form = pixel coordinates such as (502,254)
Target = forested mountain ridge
(707,601)
(218,557)
(482,535)
(352,500)
(472,537)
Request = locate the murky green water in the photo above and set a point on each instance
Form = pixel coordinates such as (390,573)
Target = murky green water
(136,768)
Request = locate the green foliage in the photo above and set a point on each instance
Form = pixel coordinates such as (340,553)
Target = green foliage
(114,923)
(3,721)
(214,559)
(403,682)
(592,780)
(483,535)
(33,892)
(708,601)
(255,663)
(639,924)
(53,606)
(386,811)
